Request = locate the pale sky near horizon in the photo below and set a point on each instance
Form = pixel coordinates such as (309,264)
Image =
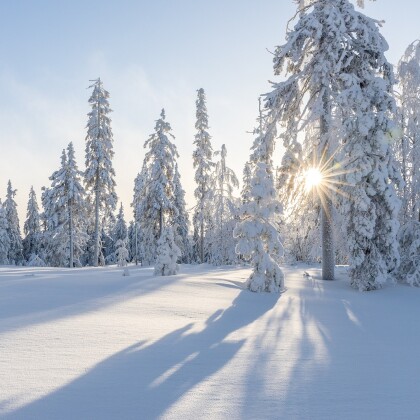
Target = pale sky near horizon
(150,55)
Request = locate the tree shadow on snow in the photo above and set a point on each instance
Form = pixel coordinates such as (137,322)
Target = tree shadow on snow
(333,351)
(143,381)
(52,294)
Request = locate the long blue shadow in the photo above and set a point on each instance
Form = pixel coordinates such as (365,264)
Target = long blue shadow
(142,382)
(46,296)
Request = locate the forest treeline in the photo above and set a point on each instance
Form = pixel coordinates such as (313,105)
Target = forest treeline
(340,110)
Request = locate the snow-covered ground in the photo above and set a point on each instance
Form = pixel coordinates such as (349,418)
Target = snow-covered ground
(91,344)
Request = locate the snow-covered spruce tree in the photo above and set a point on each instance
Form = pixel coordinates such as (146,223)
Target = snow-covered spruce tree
(119,232)
(76,208)
(181,220)
(167,254)
(54,236)
(107,245)
(306,100)
(65,213)
(408,147)
(4,237)
(339,77)
(32,228)
(99,174)
(54,252)
(134,231)
(307,103)
(160,162)
(367,108)
(89,253)
(224,213)
(133,243)
(202,161)
(15,255)
(121,253)
(146,233)
(120,228)
(257,231)
(154,201)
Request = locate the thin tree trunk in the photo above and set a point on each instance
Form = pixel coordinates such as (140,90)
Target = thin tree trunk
(71,235)
(96,256)
(96,252)
(160,222)
(328,257)
(202,230)
(202,242)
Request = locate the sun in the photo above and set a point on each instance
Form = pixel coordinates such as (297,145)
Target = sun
(313,178)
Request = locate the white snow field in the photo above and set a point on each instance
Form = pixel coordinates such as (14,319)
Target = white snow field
(91,344)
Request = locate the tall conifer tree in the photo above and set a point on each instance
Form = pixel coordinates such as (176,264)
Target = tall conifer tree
(181,219)
(202,161)
(32,228)
(65,213)
(339,85)
(99,175)
(257,230)
(224,212)
(154,201)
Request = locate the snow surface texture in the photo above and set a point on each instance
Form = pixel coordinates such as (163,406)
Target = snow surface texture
(88,343)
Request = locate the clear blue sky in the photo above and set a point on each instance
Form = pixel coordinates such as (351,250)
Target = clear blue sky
(150,54)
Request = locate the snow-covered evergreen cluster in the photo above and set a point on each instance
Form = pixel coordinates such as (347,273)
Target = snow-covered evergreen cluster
(337,110)
(337,94)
